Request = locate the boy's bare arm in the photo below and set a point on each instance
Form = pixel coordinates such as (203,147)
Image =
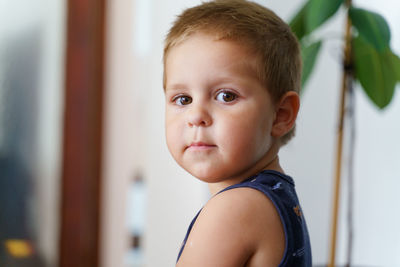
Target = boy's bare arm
(239,227)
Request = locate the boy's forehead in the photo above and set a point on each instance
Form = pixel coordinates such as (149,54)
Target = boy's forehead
(214,62)
(234,55)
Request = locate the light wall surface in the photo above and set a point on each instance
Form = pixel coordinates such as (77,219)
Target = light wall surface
(135,142)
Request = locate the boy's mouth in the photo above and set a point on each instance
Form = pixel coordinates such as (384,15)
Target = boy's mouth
(200,145)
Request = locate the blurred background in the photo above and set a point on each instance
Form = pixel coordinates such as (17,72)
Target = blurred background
(85,175)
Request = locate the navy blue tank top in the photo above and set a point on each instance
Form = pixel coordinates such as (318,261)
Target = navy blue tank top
(279,188)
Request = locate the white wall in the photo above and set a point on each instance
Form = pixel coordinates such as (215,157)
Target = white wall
(135,140)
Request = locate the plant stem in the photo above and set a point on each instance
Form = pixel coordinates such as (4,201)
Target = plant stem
(350,176)
(339,148)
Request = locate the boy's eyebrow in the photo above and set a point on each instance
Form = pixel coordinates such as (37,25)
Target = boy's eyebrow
(175,86)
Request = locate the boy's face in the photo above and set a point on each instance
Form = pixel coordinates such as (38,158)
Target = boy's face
(218,115)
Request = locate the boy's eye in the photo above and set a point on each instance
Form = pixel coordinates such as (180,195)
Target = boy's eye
(226,96)
(182,100)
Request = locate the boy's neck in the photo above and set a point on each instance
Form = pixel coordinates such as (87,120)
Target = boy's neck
(273,164)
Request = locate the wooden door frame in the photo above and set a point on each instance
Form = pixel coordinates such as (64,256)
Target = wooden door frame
(82,135)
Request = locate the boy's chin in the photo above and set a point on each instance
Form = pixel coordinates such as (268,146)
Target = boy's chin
(210,177)
(207,177)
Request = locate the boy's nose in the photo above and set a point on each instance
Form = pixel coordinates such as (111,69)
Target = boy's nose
(199,116)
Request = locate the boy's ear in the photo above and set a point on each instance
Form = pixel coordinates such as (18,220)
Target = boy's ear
(286,114)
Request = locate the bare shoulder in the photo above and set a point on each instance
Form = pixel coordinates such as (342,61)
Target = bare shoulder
(239,227)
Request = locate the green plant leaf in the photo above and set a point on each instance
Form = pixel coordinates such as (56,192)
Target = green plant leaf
(375,71)
(395,61)
(372,26)
(297,24)
(319,11)
(309,55)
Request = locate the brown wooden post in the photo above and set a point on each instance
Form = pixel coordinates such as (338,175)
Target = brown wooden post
(82,140)
(339,145)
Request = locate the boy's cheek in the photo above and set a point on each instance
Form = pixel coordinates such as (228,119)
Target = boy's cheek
(173,138)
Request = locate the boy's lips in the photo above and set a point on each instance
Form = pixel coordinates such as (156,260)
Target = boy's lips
(200,145)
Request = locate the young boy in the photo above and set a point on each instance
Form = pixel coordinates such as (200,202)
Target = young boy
(231,81)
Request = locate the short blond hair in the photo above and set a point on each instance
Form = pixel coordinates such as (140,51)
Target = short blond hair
(259,29)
